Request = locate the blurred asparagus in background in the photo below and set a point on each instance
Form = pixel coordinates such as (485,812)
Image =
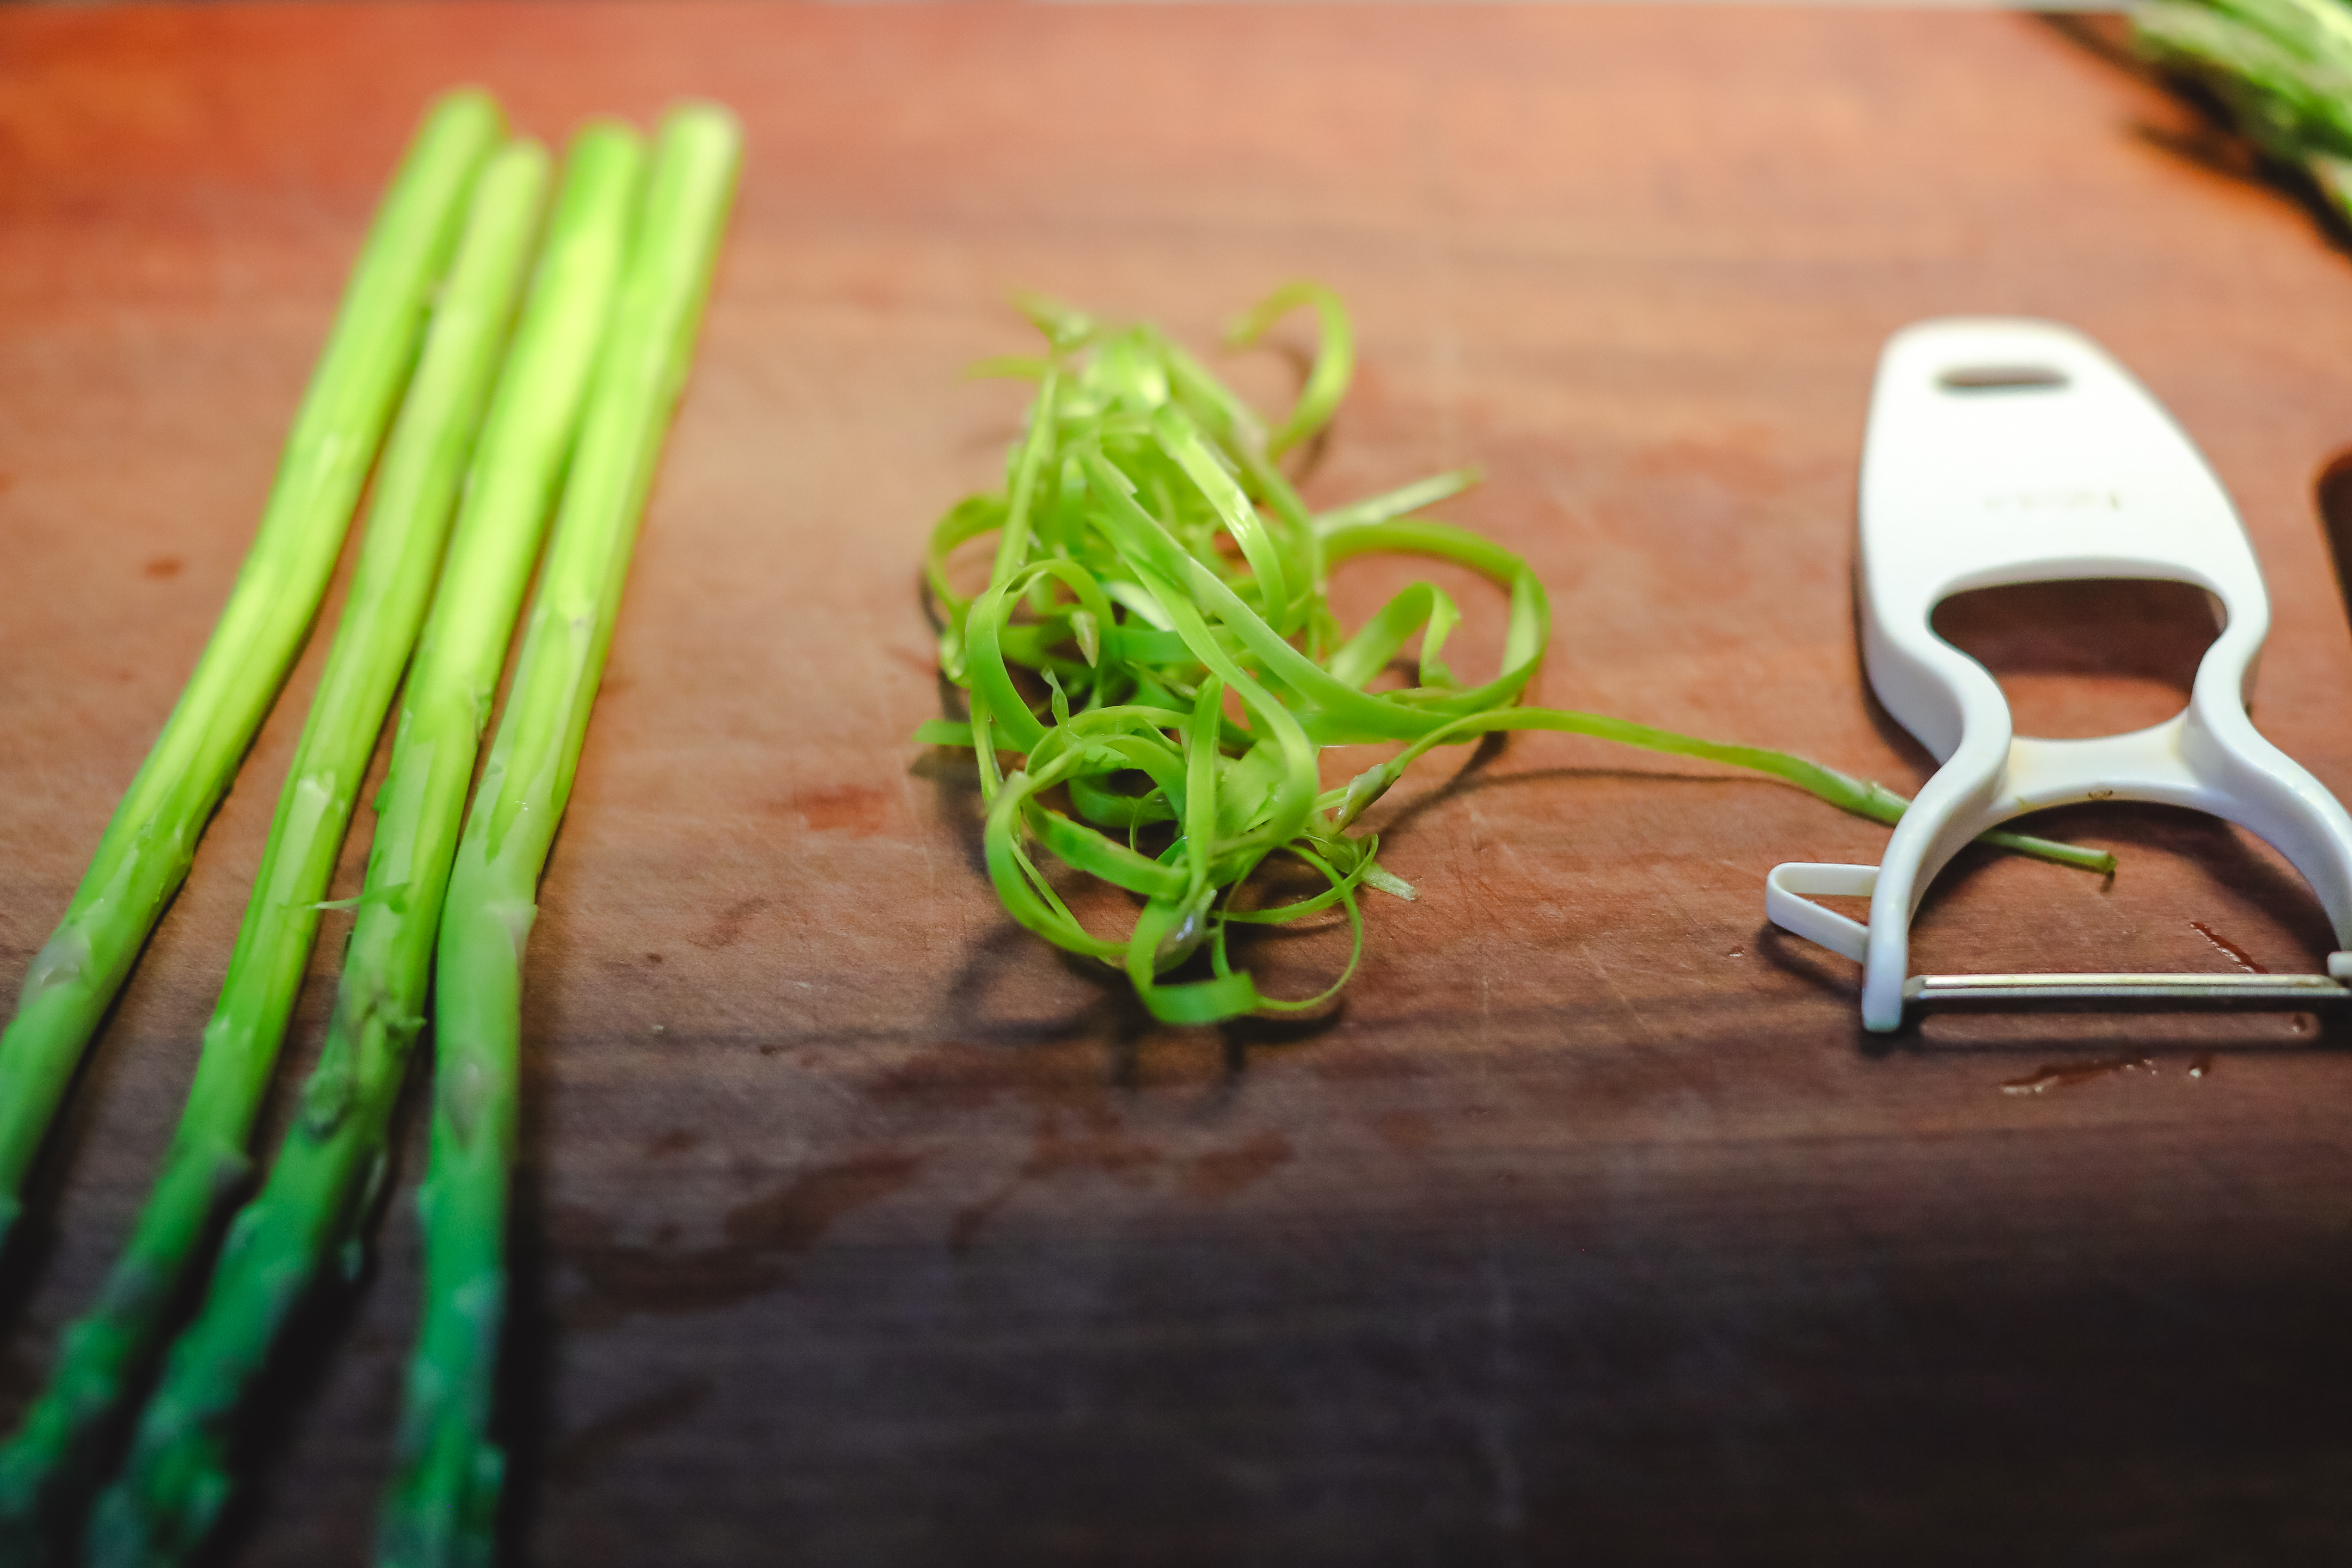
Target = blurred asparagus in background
(2281,69)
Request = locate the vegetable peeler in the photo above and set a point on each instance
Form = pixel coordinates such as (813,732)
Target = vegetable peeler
(2009,451)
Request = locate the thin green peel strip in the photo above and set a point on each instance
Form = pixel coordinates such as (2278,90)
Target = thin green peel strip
(1154,573)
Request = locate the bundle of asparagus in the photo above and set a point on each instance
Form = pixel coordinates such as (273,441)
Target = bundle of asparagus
(2283,68)
(585,389)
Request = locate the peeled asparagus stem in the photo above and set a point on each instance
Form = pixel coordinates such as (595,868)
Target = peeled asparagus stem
(178,1474)
(443,1503)
(147,849)
(105,1352)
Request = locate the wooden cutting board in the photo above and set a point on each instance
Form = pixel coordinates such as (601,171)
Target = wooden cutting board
(856,1227)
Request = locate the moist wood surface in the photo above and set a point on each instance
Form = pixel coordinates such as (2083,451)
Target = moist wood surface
(856,1227)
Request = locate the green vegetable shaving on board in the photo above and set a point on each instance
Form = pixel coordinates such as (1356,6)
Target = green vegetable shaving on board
(1156,643)
(444,1499)
(315,1201)
(149,846)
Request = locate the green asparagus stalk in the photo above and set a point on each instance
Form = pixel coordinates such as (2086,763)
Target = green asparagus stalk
(146,850)
(319,1191)
(2283,68)
(444,1499)
(105,1351)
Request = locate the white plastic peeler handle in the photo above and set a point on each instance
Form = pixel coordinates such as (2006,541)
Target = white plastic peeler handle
(1788,905)
(2004,452)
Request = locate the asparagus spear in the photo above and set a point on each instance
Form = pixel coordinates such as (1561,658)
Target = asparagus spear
(409,522)
(444,1499)
(177,1475)
(146,850)
(2282,68)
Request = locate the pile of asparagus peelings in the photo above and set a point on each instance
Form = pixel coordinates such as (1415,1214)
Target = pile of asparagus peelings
(505,363)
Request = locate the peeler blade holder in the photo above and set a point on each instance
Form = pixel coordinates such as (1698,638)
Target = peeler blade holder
(2009,451)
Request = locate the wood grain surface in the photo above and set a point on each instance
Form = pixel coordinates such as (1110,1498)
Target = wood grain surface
(858,1228)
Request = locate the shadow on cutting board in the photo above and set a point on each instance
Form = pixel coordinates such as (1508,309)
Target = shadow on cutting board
(2333,494)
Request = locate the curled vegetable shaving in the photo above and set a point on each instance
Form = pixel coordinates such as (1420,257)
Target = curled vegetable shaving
(1161,589)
